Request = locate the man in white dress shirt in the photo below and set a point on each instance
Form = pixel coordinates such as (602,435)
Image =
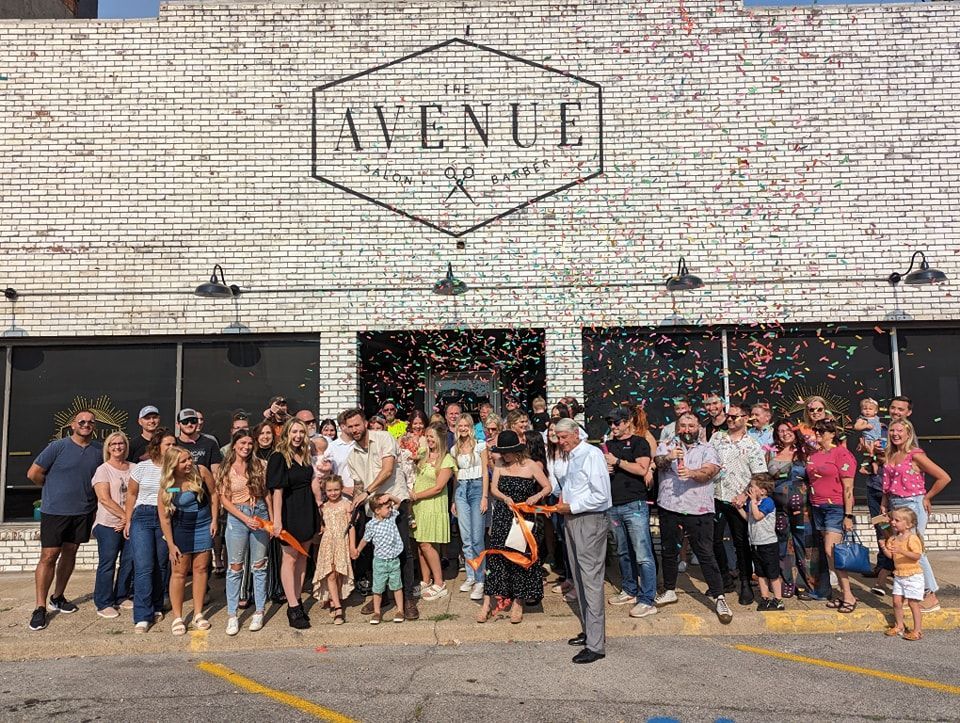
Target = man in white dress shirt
(586,496)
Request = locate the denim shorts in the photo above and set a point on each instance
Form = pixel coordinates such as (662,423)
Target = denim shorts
(828,518)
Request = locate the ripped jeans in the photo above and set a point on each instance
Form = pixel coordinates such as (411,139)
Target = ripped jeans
(240,539)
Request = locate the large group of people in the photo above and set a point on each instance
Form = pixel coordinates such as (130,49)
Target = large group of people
(292,507)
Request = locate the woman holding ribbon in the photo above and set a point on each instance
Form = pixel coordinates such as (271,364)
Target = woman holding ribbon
(519,479)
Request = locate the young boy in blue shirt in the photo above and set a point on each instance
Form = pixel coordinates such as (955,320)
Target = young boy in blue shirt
(761,515)
(382,533)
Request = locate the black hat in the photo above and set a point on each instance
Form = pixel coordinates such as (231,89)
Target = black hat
(619,415)
(508,442)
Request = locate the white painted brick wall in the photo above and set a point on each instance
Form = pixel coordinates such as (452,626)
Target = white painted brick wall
(777,143)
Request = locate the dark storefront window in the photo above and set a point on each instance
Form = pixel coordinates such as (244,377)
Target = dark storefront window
(649,366)
(421,369)
(930,376)
(221,377)
(784,366)
(50,384)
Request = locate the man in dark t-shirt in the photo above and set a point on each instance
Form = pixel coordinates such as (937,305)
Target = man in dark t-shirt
(202,449)
(628,458)
(149,421)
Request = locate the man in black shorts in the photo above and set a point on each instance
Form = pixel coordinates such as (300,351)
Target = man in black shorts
(64,469)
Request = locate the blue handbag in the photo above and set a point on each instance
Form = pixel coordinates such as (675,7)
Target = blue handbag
(850,555)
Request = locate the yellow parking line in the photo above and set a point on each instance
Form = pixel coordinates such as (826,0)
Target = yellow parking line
(905,679)
(252,686)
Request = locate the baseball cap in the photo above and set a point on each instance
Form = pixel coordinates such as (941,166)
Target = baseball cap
(149,409)
(279,399)
(187,414)
(240,414)
(619,415)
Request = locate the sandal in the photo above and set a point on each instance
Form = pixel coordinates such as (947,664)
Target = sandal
(516,614)
(200,623)
(338,616)
(878,591)
(846,607)
(177,627)
(483,615)
(913,635)
(893,631)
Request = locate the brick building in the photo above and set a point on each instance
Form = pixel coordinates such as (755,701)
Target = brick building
(335,157)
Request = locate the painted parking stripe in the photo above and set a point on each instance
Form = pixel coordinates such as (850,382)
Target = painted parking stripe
(905,679)
(252,686)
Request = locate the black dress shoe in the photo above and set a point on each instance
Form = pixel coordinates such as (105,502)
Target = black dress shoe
(746,594)
(587,656)
(581,639)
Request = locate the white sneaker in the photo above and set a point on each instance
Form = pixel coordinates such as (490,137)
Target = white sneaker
(466,586)
(256,622)
(477,593)
(665,598)
(435,592)
(141,627)
(622,599)
(108,613)
(642,610)
(233,625)
(723,610)
(681,566)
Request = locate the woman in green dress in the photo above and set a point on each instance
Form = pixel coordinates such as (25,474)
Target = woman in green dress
(431,510)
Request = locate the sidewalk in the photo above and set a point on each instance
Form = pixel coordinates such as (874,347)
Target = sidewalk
(450,621)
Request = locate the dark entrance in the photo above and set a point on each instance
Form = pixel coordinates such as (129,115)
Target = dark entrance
(428,369)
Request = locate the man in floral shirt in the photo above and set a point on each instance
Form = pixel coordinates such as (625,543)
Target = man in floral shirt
(740,457)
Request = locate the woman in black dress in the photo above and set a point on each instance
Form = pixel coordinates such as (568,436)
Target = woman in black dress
(290,475)
(519,479)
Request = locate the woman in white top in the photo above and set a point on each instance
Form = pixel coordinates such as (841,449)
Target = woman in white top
(470,499)
(111,589)
(151,565)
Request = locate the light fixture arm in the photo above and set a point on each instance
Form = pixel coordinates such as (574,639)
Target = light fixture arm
(896,278)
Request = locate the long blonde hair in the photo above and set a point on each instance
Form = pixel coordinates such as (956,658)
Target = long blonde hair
(193,482)
(470,445)
(254,469)
(285,446)
(911,441)
(440,432)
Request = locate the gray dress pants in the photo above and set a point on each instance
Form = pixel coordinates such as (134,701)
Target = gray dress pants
(587,548)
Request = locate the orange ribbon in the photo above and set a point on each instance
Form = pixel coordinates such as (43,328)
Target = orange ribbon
(284,535)
(515,557)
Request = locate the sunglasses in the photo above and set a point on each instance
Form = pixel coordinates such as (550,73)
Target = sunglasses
(85,423)
(815,409)
(191,420)
(735,416)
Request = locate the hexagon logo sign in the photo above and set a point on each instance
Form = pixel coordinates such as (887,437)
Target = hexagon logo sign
(457,135)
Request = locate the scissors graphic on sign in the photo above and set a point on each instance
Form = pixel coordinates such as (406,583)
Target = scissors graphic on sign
(458,182)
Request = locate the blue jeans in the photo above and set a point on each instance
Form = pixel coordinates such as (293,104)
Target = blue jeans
(151,563)
(916,504)
(111,588)
(467,499)
(239,538)
(631,527)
